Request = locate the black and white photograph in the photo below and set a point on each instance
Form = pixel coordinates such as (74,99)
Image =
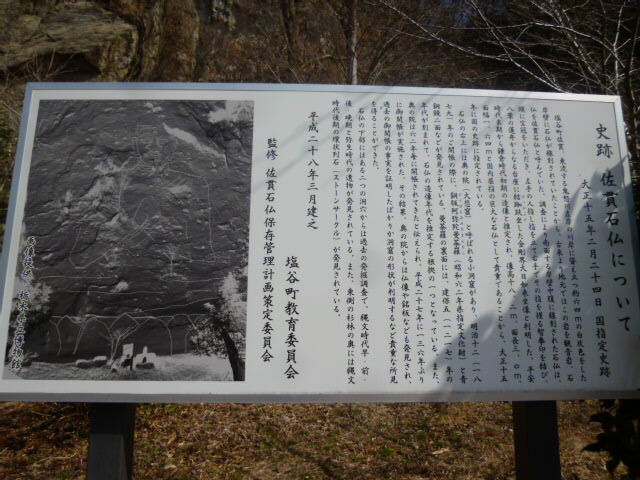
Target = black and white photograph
(134,243)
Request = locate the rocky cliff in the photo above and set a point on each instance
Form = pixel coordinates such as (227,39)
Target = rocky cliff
(139,210)
(102,40)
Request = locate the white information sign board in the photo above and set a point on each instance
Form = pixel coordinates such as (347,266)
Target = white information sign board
(212,242)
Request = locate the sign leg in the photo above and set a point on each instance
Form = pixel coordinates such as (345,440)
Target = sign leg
(111,441)
(535,435)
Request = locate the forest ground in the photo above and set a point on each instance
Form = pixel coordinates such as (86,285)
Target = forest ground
(461,441)
(187,442)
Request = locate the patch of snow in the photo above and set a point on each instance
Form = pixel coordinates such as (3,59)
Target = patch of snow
(179,190)
(190,139)
(152,107)
(113,223)
(217,115)
(107,166)
(121,286)
(101,186)
(233,111)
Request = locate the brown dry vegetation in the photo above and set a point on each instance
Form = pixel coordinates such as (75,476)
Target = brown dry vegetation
(298,442)
(167,42)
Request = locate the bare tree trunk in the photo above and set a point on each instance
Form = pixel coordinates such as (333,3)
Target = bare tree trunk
(633,122)
(352,43)
(291,30)
(179,43)
(235,359)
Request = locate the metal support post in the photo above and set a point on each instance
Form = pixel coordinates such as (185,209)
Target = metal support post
(111,441)
(535,435)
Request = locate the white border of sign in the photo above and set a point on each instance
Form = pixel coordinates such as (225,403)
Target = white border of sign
(181,391)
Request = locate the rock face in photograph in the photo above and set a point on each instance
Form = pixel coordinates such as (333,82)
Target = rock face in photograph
(140,211)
